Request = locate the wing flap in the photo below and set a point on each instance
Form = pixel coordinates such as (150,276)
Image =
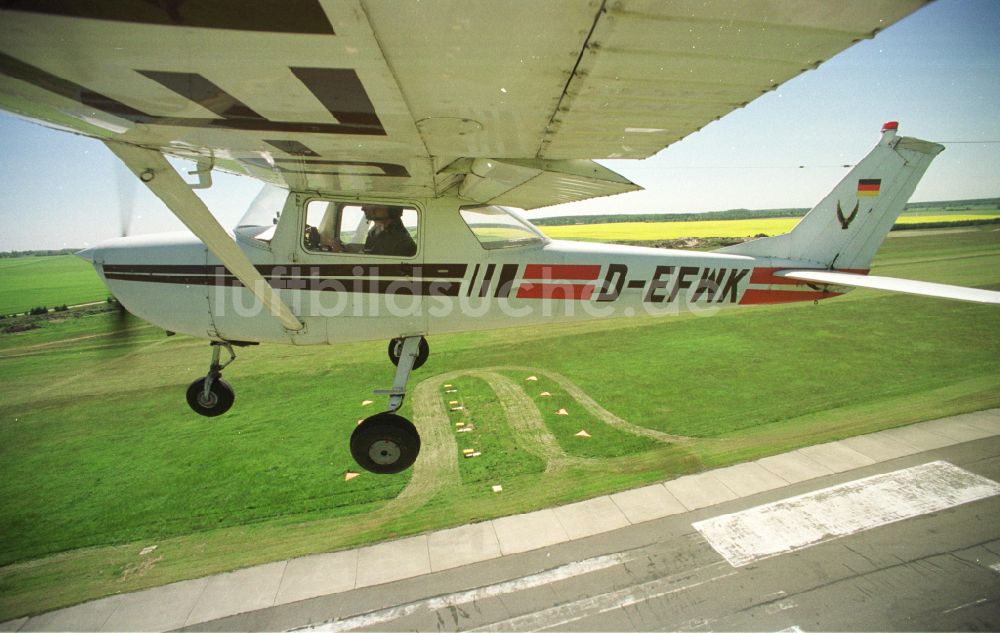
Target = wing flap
(894,284)
(529,184)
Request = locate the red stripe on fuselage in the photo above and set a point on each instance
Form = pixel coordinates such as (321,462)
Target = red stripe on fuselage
(555,291)
(562,271)
(767,276)
(760,297)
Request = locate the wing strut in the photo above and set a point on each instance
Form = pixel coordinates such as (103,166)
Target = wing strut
(163,180)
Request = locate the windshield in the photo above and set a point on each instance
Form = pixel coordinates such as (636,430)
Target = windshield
(262,215)
(500,227)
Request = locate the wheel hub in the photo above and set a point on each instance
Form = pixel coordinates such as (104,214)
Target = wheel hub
(208,401)
(384,452)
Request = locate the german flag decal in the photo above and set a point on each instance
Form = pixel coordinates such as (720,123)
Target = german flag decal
(869,187)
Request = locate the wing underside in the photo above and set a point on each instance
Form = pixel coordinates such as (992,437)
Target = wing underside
(409,98)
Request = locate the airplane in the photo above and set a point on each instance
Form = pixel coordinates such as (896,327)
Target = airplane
(396,141)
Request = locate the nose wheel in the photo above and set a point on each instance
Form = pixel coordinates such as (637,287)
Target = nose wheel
(386,443)
(211,396)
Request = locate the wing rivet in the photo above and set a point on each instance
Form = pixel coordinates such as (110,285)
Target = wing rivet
(147,176)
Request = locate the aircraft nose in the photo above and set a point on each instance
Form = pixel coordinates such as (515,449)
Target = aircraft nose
(87,254)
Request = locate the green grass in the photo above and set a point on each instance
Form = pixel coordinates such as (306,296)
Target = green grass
(102,457)
(502,455)
(605,441)
(29,282)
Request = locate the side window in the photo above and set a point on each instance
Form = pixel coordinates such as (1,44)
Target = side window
(497,227)
(363,229)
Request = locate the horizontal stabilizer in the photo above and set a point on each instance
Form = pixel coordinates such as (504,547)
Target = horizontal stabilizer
(894,284)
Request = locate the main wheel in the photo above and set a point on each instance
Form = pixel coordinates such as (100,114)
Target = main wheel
(220,397)
(396,349)
(385,444)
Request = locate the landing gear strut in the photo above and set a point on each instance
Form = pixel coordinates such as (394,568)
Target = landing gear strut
(386,443)
(211,396)
(396,350)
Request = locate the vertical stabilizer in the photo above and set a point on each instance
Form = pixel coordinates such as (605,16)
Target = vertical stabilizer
(848,226)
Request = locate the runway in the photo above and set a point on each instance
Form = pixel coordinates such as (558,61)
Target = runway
(893,531)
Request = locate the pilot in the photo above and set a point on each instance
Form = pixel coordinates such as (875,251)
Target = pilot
(388,236)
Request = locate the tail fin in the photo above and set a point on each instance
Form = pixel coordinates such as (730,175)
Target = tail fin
(848,226)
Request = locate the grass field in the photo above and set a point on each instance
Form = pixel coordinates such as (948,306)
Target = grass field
(102,456)
(645,231)
(29,282)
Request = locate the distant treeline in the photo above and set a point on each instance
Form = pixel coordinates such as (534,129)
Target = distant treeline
(944,225)
(732,214)
(39,253)
(742,214)
(956,205)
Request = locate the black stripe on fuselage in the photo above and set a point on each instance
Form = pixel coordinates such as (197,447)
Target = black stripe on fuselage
(472,282)
(411,279)
(445,271)
(484,290)
(395,287)
(505,280)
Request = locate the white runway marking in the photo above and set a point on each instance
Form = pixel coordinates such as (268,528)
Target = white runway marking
(571,612)
(966,605)
(467,597)
(799,522)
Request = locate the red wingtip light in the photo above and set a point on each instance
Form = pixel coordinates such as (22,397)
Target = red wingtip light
(891,125)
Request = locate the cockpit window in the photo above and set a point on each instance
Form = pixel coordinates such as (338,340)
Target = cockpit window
(360,228)
(499,227)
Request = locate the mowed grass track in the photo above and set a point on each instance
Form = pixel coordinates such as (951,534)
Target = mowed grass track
(101,456)
(642,231)
(30,282)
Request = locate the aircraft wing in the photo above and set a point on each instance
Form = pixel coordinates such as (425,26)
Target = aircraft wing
(502,102)
(894,284)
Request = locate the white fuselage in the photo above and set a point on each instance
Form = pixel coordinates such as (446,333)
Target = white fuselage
(452,284)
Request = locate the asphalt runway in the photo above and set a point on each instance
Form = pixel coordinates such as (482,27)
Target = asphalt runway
(933,571)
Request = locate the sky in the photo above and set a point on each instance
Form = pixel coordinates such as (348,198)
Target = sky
(937,72)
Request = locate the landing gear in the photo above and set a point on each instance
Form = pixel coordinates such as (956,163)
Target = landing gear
(386,443)
(211,396)
(396,349)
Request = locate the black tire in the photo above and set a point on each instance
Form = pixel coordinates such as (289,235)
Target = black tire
(385,444)
(220,397)
(423,351)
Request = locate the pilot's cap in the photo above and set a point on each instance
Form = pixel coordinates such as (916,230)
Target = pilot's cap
(381,211)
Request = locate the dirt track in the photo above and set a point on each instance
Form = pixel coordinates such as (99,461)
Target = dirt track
(437,466)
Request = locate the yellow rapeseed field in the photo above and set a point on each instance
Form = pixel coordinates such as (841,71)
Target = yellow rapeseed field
(640,231)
